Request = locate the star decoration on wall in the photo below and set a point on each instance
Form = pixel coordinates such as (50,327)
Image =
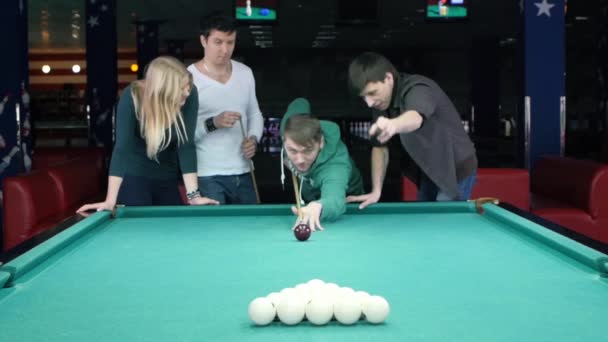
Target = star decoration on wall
(544,8)
(93,21)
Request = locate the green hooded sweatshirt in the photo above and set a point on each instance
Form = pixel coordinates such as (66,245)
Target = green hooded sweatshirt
(333,175)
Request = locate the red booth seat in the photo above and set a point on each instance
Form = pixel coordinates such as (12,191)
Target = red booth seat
(31,206)
(48,157)
(40,200)
(507,184)
(572,193)
(77,182)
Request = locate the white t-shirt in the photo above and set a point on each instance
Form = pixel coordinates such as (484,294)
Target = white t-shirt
(219,152)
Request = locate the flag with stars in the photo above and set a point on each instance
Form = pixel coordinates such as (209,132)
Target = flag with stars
(14,69)
(544,81)
(147,43)
(102,68)
(23,96)
(26,127)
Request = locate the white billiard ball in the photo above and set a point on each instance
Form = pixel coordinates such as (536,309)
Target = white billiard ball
(315,283)
(291,310)
(331,290)
(275,298)
(376,309)
(261,311)
(347,309)
(319,310)
(345,291)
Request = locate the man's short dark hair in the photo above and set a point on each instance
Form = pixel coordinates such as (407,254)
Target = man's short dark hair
(368,67)
(303,129)
(217,21)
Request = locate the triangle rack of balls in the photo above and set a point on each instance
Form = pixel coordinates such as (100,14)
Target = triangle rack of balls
(319,303)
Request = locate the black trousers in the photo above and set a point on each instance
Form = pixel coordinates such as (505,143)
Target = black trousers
(139,191)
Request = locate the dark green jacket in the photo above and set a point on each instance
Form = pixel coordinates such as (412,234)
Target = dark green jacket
(333,175)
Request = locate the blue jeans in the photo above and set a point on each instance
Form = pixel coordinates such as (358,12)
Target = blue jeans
(233,189)
(429,192)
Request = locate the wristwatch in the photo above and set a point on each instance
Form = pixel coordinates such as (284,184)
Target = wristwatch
(210,125)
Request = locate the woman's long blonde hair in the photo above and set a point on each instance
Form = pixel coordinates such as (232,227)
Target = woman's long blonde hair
(157,100)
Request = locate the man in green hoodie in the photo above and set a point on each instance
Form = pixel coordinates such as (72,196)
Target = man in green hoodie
(320,160)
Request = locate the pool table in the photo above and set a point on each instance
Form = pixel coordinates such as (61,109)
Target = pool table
(450,271)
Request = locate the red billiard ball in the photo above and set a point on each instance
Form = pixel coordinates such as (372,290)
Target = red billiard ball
(302,232)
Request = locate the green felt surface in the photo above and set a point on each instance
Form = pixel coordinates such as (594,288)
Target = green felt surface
(4,277)
(188,274)
(452,12)
(241,13)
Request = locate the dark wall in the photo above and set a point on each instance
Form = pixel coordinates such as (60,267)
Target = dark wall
(321,76)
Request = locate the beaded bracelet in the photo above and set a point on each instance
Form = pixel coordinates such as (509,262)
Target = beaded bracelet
(194,194)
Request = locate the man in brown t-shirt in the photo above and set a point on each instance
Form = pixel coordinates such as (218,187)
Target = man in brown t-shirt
(429,127)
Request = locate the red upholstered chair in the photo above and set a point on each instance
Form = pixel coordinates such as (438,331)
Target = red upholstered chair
(507,184)
(44,158)
(409,190)
(77,183)
(40,200)
(31,206)
(572,193)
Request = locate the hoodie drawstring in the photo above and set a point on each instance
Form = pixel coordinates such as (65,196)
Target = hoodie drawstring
(300,195)
(282,170)
(283,177)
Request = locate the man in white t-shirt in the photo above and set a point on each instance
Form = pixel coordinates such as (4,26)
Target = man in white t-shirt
(226,92)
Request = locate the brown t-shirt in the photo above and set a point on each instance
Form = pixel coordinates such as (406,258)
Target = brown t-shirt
(440,148)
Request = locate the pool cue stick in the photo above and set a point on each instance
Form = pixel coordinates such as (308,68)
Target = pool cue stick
(88,111)
(18,137)
(255,184)
(296,189)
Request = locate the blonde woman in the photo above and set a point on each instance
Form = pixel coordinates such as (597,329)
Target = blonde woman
(155,124)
